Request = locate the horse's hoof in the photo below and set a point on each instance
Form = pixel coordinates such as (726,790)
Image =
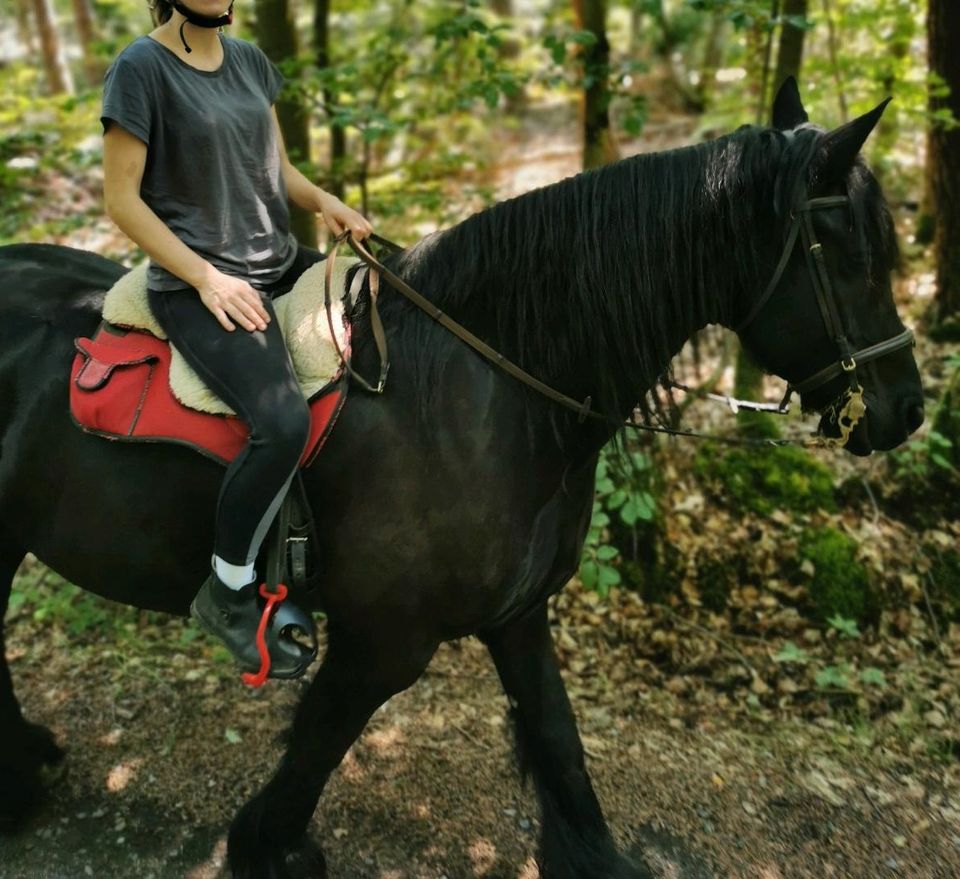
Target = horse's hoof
(307,862)
(24,751)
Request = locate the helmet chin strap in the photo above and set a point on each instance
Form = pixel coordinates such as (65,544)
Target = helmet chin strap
(201,20)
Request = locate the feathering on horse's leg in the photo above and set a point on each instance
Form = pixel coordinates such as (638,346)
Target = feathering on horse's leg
(358,674)
(24,747)
(575,842)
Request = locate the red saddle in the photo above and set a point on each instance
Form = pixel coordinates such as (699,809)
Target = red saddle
(120,389)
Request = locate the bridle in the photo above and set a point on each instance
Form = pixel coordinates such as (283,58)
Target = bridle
(801,226)
(847,412)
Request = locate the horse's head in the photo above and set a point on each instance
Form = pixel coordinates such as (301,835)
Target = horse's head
(827,321)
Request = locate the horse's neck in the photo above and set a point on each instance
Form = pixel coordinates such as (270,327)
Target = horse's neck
(546,278)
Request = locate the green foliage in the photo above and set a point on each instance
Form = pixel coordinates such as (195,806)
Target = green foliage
(39,135)
(932,462)
(624,499)
(45,597)
(781,477)
(833,677)
(839,587)
(411,81)
(846,627)
(790,653)
(572,68)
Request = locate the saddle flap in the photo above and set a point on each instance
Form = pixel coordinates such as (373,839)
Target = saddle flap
(100,361)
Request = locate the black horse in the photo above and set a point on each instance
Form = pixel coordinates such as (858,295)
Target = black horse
(457,502)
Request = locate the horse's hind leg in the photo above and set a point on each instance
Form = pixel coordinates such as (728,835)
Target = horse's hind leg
(24,747)
(575,842)
(357,676)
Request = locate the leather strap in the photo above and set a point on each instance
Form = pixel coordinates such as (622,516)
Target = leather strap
(376,324)
(581,408)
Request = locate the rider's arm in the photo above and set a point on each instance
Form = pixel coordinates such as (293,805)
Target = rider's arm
(124,159)
(311,197)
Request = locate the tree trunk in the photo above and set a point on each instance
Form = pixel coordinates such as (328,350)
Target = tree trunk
(509,50)
(834,64)
(24,26)
(712,58)
(790,49)
(87,34)
(277,36)
(765,67)
(599,145)
(338,137)
(943,161)
(59,80)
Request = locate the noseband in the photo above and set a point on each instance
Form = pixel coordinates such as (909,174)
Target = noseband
(801,225)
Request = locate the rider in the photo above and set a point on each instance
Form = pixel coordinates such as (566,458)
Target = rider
(195,172)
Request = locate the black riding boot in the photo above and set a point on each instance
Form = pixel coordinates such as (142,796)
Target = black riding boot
(233,615)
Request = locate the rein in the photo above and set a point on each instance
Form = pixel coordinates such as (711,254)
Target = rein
(847,411)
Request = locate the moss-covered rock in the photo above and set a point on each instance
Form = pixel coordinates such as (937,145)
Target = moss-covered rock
(762,480)
(839,584)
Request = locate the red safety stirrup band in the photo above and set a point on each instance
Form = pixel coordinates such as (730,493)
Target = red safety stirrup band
(273,601)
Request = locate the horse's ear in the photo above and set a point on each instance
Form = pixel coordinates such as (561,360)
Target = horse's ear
(838,149)
(788,109)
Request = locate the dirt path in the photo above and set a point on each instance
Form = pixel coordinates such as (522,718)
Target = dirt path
(165,744)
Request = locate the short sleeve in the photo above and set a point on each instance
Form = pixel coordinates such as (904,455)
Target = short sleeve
(126,99)
(273,79)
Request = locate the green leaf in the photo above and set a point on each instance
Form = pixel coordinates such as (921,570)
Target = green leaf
(832,678)
(589,574)
(583,38)
(616,500)
(609,576)
(847,628)
(607,552)
(232,736)
(629,512)
(791,653)
(873,677)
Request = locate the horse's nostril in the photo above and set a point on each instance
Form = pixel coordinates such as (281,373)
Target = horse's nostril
(914,416)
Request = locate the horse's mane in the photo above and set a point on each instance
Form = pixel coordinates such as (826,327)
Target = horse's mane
(622,261)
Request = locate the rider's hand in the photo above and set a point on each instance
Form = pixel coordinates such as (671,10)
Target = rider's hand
(233,299)
(339,217)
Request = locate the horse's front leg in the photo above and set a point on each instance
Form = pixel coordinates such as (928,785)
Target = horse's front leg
(575,842)
(358,674)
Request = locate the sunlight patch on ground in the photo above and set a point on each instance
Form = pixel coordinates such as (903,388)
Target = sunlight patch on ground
(483,855)
(529,870)
(122,774)
(385,740)
(210,868)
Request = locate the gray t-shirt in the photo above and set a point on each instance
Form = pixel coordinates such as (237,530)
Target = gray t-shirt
(213,171)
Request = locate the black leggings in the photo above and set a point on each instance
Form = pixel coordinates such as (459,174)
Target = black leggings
(252,373)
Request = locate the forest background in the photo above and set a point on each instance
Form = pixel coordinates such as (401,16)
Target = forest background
(806,596)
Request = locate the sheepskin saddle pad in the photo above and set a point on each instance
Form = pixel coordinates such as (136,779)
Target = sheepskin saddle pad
(128,382)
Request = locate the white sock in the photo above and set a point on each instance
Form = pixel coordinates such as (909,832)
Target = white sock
(234,576)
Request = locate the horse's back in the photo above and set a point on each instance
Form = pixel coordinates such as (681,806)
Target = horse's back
(59,286)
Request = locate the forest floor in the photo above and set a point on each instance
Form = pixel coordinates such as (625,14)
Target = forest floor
(165,744)
(718,747)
